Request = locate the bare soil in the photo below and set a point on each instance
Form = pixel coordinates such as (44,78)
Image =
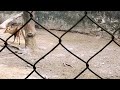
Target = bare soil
(60,64)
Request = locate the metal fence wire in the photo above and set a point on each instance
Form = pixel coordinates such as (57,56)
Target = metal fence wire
(60,43)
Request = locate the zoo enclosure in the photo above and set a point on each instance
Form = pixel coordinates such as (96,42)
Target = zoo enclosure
(60,43)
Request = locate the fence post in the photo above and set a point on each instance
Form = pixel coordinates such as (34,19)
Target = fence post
(30,32)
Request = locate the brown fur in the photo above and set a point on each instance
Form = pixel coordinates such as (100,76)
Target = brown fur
(11,29)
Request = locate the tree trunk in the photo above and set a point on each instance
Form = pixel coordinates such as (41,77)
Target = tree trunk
(30,32)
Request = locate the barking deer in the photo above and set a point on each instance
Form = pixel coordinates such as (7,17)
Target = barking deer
(14,27)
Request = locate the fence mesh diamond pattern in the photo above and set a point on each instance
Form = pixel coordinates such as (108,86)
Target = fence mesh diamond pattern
(60,43)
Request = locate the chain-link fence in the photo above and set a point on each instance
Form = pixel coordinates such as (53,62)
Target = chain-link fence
(60,43)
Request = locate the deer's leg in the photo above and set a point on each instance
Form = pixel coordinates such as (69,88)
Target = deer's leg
(14,38)
(17,36)
(19,39)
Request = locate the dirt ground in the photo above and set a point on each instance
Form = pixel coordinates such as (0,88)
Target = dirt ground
(60,64)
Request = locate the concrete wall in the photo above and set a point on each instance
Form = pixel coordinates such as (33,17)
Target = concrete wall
(63,20)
